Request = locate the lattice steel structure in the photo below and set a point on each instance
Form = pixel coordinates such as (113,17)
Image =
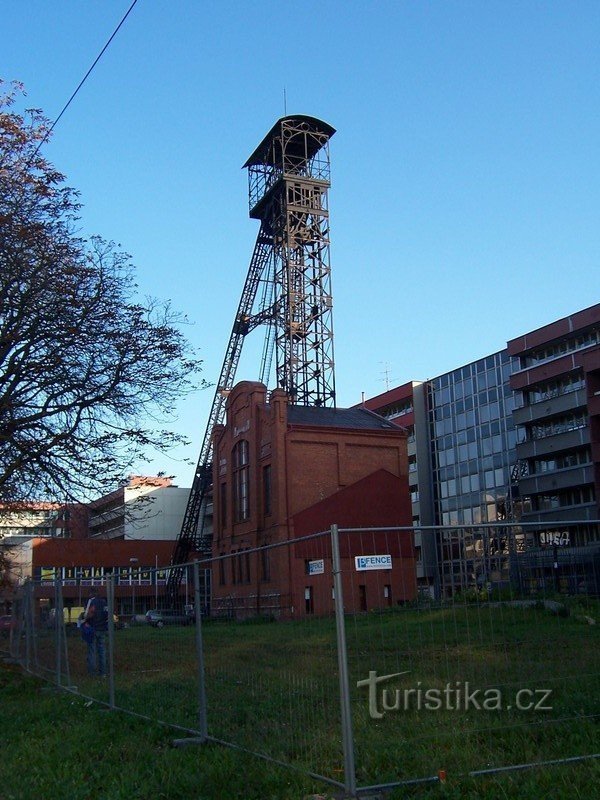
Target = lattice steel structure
(287,288)
(289,174)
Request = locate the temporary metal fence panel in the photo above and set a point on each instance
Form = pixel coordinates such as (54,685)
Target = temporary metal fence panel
(155,659)
(325,654)
(271,656)
(499,672)
(38,640)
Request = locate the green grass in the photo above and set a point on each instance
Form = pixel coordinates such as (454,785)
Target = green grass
(507,649)
(272,688)
(55,747)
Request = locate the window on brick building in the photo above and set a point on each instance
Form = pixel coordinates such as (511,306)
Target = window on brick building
(387,593)
(223,504)
(241,482)
(265,565)
(309,600)
(240,566)
(235,567)
(267,502)
(362,594)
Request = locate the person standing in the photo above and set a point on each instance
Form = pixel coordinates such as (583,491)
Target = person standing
(94,628)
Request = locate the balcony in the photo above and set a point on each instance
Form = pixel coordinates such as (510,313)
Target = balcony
(552,407)
(583,513)
(546,482)
(557,443)
(594,404)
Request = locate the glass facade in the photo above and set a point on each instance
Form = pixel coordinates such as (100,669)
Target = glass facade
(472,441)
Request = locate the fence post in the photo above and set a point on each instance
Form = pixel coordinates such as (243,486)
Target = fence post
(17,630)
(31,637)
(202,720)
(28,619)
(342,653)
(65,638)
(59,622)
(110,601)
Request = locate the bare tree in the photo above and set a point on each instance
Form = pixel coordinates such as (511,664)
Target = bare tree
(87,370)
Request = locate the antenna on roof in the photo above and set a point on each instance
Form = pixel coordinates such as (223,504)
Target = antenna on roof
(386,375)
(284,103)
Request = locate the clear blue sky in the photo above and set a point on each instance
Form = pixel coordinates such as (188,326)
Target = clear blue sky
(465,171)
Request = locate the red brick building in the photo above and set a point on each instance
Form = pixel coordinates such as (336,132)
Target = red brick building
(138,568)
(282,472)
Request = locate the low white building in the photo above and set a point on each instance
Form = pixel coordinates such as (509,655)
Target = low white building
(147,508)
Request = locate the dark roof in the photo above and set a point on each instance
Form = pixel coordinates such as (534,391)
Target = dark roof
(317,125)
(360,418)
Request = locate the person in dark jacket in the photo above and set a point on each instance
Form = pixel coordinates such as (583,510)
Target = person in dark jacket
(94,628)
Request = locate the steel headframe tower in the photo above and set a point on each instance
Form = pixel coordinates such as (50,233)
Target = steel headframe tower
(287,288)
(289,176)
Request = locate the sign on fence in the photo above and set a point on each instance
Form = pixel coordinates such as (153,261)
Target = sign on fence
(372,562)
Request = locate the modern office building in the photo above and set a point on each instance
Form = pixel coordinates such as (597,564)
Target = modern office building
(472,452)
(556,383)
(512,437)
(461,454)
(557,417)
(146,507)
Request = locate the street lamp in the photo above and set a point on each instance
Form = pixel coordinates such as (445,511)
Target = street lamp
(133,561)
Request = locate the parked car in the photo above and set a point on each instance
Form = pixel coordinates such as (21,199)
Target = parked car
(168,616)
(138,619)
(7,623)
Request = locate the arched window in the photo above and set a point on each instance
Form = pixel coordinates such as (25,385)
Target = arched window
(241,481)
